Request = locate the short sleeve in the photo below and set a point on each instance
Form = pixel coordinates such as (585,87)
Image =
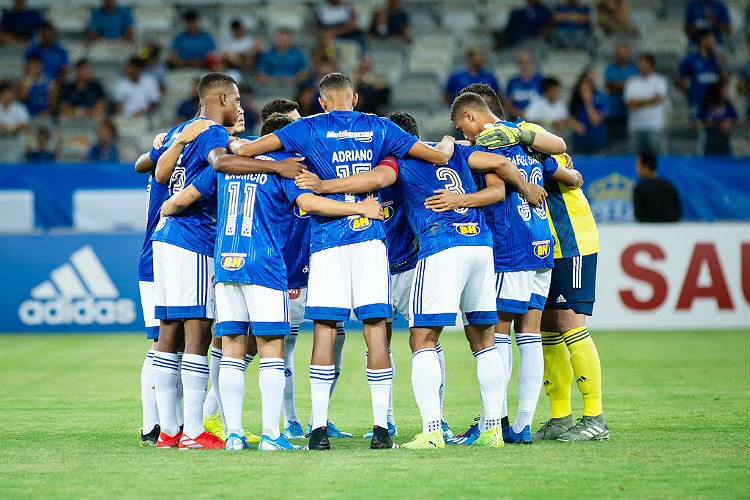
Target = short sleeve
(128,16)
(205,183)
(215,137)
(296,137)
(549,166)
(291,190)
(397,142)
(463,152)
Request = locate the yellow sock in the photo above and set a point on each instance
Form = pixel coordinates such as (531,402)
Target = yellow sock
(587,369)
(557,373)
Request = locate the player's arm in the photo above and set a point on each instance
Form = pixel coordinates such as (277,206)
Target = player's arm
(568,176)
(384,174)
(319,205)
(144,164)
(439,154)
(483,161)
(178,202)
(223,161)
(168,160)
(498,135)
(444,200)
(265,144)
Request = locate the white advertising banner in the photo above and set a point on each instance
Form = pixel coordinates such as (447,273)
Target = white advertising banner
(661,276)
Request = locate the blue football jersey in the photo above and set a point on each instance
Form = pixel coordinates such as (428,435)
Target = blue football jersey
(156,194)
(297,249)
(417,180)
(340,144)
(254,212)
(522,239)
(403,248)
(195,228)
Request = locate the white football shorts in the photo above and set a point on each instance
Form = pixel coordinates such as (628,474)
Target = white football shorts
(241,305)
(519,291)
(452,281)
(147,304)
(349,278)
(183,283)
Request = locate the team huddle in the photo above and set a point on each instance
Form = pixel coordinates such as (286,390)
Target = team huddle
(345,215)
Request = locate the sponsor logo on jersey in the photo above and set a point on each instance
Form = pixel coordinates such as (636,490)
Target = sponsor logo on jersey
(79,292)
(467,228)
(365,136)
(298,212)
(233,261)
(388,210)
(542,248)
(359,223)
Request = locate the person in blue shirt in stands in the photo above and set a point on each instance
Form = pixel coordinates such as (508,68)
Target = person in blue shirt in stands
(717,115)
(615,76)
(710,15)
(588,112)
(191,47)
(700,69)
(283,61)
(572,24)
(54,56)
(19,24)
(111,22)
(524,87)
(474,73)
(534,20)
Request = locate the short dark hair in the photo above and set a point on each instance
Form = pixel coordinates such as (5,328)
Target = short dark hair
(335,81)
(235,24)
(701,34)
(214,80)
(5,85)
(648,159)
(467,100)
(406,121)
(190,15)
(549,83)
(648,56)
(46,25)
(34,57)
(275,122)
(134,61)
(111,126)
(489,95)
(282,106)
(82,62)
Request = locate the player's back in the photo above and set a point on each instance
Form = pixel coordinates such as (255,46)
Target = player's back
(254,212)
(418,180)
(194,228)
(339,144)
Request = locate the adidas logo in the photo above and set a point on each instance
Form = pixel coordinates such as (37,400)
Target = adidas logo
(582,379)
(560,299)
(78,292)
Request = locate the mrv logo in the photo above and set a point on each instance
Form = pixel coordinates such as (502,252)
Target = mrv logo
(78,292)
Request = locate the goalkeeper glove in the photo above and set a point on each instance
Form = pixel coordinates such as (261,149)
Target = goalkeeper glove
(499,136)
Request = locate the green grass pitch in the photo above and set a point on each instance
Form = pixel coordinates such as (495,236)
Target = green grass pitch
(677,403)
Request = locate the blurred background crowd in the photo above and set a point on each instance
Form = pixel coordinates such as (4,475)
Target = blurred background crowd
(96,79)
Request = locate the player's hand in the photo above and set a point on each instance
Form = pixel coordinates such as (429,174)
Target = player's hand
(568,161)
(443,201)
(308,180)
(193,130)
(371,208)
(159,140)
(290,167)
(580,177)
(498,136)
(235,145)
(534,194)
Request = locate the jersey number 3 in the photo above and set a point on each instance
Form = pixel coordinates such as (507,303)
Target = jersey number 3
(452,183)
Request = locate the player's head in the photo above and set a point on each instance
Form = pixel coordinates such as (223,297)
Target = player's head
(645,164)
(489,95)
(283,106)
(705,40)
(469,113)
(275,122)
(646,63)
(336,88)
(220,98)
(239,125)
(407,122)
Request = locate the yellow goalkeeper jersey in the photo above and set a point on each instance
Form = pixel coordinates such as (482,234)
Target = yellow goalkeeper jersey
(569,215)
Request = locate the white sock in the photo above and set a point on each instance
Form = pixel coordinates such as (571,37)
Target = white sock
(502,342)
(271,382)
(166,375)
(232,387)
(530,375)
(321,378)
(441,358)
(391,418)
(212,405)
(491,377)
(287,406)
(338,351)
(179,408)
(425,380)
(148,394)
(194,386)
(248,359)
(381,382)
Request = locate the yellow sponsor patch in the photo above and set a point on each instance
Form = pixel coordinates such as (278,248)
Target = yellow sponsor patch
(467,228)
(359,223)
(232,261)
(542,248)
